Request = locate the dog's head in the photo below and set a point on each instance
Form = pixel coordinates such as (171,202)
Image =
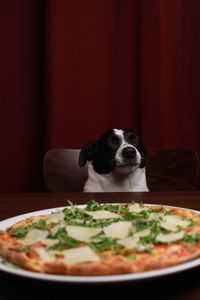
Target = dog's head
(117,149)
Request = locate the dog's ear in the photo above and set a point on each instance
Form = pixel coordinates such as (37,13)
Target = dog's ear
(144,154)
(86,153)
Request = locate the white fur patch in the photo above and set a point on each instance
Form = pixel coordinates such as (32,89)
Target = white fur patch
(119,132)
(116,182)
(119,157)
(125,178)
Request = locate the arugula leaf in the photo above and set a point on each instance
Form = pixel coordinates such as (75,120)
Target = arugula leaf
(41,224)
(116,208)
(168,212)
(106,243)
(13,265)
(100,242)
(74,212)
(20,231)
(93,205)
(25,249)
(65,241)
(154,210)
(67,244)
(191,238)
(91,222)
(129,216)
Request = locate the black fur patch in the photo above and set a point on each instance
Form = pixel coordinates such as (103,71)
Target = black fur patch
(102,152)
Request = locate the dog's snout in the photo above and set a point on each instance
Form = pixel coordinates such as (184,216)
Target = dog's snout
(128,152)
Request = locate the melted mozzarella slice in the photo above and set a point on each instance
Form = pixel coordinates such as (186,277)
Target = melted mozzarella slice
(132,241)
(129,242)
(102,214)
(173,222)
(46,256)
(170,237)
(135,208)
(57,217)
(79,255)
(142,233)
(156,216)
(80,233)
(34,236)
(119,229)
(55,229)
(49,242)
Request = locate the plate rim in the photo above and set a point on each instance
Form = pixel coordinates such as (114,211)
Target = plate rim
(92,279)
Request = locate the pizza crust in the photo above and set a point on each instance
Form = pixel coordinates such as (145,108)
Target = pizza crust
(161,256)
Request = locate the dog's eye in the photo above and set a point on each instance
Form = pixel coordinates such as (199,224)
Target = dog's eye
(114,140)
(131,137)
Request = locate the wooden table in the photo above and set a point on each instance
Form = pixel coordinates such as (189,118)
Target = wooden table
(183,285)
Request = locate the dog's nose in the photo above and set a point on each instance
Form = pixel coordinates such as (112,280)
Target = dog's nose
(129,152)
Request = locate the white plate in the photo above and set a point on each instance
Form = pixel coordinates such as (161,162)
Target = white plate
(89,279)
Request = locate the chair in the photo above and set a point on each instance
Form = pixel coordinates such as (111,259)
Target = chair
(172,169)
(62,172)
(167,169)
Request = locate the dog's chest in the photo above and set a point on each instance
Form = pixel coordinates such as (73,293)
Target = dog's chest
(115,182)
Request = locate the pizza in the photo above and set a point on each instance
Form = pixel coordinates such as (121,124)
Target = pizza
(103,239)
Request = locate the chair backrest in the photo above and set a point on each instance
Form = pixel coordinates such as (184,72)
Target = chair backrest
(62,172)
(167,169)
(172,169)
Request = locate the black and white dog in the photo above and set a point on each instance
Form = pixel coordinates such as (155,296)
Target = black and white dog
(117,162)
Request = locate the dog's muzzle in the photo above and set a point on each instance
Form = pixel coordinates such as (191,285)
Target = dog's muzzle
(127,159)
(128,153)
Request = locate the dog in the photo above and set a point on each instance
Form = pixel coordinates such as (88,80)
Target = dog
(116,162)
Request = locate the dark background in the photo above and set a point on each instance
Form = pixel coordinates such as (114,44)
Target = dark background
(72,69)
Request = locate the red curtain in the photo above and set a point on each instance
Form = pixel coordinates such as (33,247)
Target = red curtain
(72,69)
(21,110)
